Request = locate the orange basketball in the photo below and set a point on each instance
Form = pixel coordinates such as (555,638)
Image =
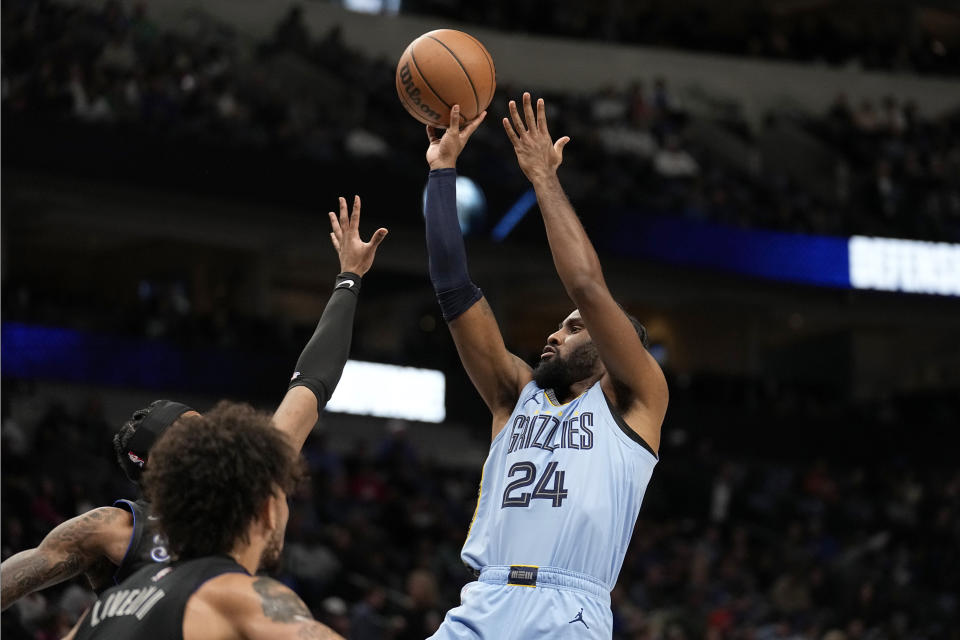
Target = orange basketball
(443,68)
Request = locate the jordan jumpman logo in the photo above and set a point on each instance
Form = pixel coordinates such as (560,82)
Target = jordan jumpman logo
(579,618)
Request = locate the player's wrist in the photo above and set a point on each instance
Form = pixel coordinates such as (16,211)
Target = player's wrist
(355,269)
(349,279)
(543,178)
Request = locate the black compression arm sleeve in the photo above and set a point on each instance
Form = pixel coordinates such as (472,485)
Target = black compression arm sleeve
(445,250)
(322,360)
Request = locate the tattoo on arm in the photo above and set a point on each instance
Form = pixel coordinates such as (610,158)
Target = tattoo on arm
(31,570)
(63,554)
(279,603)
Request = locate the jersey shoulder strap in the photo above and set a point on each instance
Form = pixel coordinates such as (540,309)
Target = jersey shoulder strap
(131,559)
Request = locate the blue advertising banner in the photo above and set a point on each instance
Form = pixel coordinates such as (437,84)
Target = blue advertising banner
(790,257)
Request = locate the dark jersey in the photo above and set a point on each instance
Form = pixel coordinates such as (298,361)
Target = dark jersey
(151,602)
(147,545)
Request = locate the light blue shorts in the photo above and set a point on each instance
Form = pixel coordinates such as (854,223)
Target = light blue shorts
(505,603)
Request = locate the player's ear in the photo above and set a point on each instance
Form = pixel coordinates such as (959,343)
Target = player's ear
(270,511)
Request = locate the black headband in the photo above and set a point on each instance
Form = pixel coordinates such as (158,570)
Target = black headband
(152,426)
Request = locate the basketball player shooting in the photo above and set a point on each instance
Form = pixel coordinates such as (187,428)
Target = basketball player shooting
(574,439)
(108,544)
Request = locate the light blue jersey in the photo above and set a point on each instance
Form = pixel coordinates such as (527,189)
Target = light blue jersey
(561,487)
(559,497)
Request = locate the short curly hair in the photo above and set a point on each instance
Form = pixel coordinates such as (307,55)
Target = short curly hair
(209,475)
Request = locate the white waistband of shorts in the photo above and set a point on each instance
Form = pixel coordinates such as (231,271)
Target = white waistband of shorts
(548,577)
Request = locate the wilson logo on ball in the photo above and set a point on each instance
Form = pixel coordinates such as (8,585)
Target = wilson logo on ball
(406,79)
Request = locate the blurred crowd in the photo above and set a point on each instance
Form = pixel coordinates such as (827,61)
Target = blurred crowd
(903,168)
(95,90)
(739,538)
(840,526)
(898,36)
(889,170)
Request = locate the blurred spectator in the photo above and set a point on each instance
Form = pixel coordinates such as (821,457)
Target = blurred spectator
(423,615)
(673,162)
(367,621)
(292,33)
(334,614)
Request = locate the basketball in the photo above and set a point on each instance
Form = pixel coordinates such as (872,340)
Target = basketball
(440,69)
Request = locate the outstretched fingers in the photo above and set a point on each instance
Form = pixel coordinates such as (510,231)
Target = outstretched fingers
(515,118)
(514,139)
(528,112)
(335,228)
(542,117)
(378,237)
(344,216)
(335,231)
(355,214)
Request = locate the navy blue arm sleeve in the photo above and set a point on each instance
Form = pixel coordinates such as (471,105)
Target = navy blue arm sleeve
(322,360)
(447,255)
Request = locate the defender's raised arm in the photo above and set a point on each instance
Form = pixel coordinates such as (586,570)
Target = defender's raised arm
(321,364)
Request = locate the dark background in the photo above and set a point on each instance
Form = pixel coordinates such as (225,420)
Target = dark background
(164,189)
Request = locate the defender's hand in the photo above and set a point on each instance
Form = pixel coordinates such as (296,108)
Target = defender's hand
(443,151)
(537,155)
(356,256)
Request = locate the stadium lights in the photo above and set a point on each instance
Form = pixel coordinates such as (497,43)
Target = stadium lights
(390,391)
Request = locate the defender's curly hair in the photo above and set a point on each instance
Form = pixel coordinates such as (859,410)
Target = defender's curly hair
(209,475)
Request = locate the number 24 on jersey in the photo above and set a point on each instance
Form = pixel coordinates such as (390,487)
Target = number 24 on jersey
(527,472)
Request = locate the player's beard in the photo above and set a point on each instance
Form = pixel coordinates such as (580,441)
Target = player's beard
(560,374)
(270,558)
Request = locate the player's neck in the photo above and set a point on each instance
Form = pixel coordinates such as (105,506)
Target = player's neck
(248,555)
(576,389)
